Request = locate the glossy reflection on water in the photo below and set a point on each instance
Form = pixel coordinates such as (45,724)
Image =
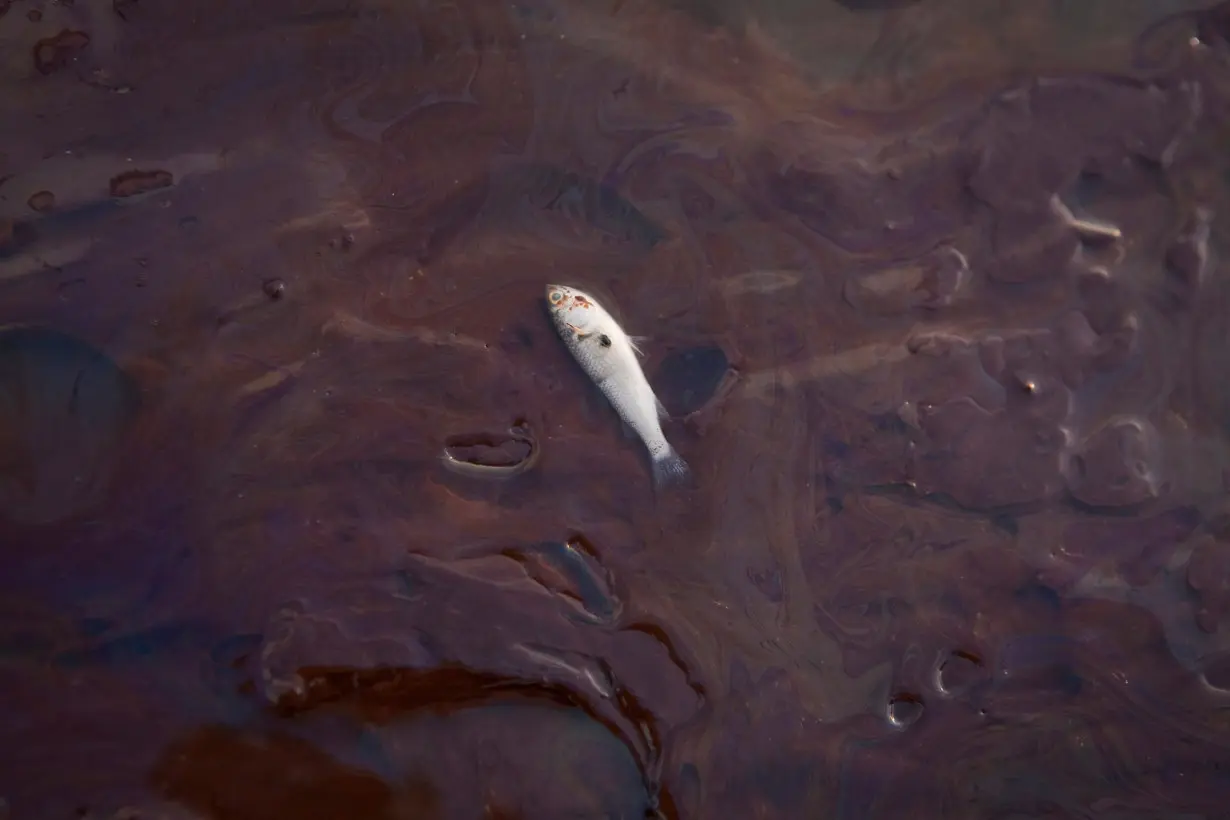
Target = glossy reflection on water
(306,512)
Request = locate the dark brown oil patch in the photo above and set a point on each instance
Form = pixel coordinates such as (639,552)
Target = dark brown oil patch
(124,9)
(952,374)
(133,183)
(53,54)
(217,769)
(42,201)
(489,451)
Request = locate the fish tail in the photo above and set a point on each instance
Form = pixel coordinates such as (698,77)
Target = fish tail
(669,469)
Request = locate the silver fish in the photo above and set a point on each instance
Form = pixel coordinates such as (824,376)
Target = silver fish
(608,355)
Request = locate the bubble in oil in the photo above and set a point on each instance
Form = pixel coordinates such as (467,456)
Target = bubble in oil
(904,709)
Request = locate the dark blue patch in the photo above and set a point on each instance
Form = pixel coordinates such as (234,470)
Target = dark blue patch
(597,203)
(139,646)
(687,379)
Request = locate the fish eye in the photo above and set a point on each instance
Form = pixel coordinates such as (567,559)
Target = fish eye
(604,340)
(556,297)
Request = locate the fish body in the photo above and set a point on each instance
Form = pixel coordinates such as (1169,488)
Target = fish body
(608,355)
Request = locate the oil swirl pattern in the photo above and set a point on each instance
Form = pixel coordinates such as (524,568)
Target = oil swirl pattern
(304,512)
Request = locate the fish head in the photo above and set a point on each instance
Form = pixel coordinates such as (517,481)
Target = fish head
(572,310)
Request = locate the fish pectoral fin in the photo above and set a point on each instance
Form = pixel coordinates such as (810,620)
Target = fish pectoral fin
(636,342)
(662,414)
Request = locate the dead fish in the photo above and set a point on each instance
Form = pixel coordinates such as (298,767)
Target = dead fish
(608,355)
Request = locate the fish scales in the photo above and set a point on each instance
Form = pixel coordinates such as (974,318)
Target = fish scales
(609,356)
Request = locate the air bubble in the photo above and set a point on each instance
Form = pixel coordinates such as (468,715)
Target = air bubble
(957,672)
(904,709)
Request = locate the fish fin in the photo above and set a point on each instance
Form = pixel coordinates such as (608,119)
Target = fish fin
(662,414)
(670,470)
(628,432)
(636,342)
